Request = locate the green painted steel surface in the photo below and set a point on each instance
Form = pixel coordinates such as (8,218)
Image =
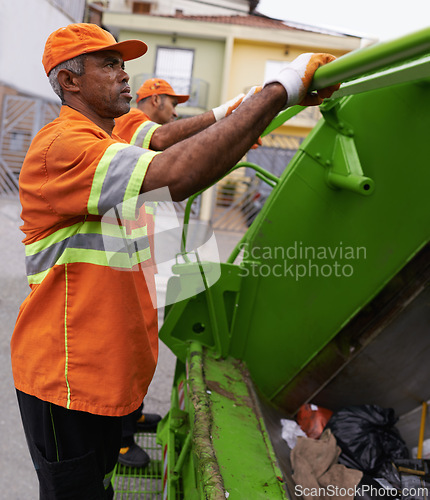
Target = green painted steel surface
(350,211)
(381,65)
(372,236)
(323,253)
(373,58)
(241,444)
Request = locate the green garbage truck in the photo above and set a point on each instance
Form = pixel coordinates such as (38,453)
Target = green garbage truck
(326,297)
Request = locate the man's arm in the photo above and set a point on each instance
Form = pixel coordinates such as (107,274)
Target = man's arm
(199,161)
(171,133)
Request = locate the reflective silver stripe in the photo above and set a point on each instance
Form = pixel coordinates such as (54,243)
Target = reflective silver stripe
(95,243)
(118,179)
(106,245)
(143,134)
(118,176)
(45,259)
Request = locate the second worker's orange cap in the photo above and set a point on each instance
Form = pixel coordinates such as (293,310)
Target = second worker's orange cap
(83,38)
(158,86)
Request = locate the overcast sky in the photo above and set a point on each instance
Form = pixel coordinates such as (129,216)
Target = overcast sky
(382,19)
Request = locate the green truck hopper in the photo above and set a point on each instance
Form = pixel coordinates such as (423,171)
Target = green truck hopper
(329,303)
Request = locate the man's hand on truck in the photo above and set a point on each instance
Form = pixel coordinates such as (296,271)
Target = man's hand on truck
(297,76)
(219,147)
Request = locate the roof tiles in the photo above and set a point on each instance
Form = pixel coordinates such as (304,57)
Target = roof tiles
(246,20)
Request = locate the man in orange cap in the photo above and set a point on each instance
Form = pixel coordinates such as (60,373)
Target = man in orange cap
(84,347)
(156,105)
(157,99)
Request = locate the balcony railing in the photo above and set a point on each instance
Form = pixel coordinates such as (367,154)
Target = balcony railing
(196,88)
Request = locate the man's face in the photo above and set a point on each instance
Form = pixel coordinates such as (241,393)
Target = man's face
(166,109)
(104,86)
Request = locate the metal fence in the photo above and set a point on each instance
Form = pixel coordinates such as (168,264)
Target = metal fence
(241,195)
(22,118)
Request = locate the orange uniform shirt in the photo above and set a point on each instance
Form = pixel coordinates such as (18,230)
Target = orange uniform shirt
(86,337)
(135,127)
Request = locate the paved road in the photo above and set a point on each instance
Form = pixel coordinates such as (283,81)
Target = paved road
(17,477)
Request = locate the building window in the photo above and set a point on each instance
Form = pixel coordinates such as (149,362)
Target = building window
(141,8)
(175,66)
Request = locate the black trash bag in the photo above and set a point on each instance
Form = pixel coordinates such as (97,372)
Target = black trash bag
(367,437)
(369,489)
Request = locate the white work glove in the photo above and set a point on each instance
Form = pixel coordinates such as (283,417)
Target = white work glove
(297,76)
(228,107)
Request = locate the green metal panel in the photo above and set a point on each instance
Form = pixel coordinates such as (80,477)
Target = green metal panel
(381,65)
(372,59)
(235,458)
(349,213)
(347,245)
(206,318)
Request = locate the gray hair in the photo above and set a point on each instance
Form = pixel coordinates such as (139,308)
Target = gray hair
(75,65)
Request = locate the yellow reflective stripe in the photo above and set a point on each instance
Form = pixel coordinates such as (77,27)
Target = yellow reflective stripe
(118,179)
(101,258)
(135,184)
(88,227)
(66,346)
(114,229)
(59,235)
(142,256)
(137,233)
(72,255)
(133,234)
(36,279)
(144,141)
(100,174)
(119,250)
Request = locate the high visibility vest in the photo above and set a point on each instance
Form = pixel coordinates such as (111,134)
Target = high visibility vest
(86,337)
(136,128)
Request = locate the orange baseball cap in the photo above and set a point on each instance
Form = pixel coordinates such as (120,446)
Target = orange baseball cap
(83,38)
(157,86)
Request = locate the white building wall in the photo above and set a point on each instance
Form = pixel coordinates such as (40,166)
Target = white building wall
(24,27)
(188,7)
(209,8)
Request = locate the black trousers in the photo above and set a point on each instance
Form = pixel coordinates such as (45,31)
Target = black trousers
(129,427)
(74,453)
